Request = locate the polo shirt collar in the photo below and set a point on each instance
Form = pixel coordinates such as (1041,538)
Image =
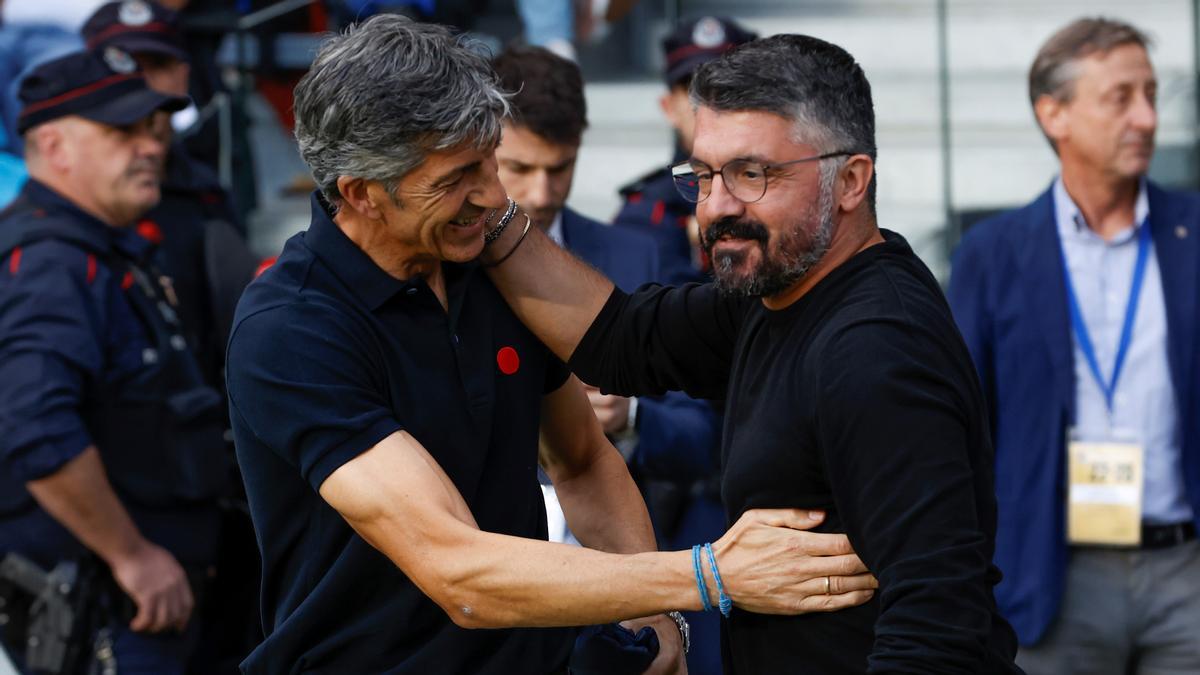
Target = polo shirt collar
(350,263)
(84,225)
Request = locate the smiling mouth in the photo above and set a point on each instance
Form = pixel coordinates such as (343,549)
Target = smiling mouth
(469,222)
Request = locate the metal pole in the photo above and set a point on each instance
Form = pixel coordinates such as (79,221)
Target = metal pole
(953,226)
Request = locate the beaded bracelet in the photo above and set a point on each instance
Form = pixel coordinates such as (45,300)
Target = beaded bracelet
(494,233)
(724,601)
(700,585)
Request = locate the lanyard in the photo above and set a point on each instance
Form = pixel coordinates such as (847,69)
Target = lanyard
(1081,332)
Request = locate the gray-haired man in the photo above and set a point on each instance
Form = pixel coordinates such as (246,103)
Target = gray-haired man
(387,407)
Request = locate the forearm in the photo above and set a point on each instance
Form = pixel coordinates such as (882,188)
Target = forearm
(551,291)
(604,507)
(488,580)
(80,497)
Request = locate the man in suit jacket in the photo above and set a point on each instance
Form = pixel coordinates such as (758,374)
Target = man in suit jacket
(1080,312)
(670,441)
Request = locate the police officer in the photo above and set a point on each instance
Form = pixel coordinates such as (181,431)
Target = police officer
(651,203)
(110,441)
(194,225)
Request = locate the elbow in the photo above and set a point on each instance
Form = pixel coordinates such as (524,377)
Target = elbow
(470,610)
(467,605)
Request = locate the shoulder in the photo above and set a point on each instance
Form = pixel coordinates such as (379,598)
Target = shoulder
(652,180)
(992,232)
(892,299)
(620,237)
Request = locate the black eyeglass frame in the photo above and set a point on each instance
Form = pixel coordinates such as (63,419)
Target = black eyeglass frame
(684,168)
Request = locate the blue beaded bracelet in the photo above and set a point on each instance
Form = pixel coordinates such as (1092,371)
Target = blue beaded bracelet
(698,566)
(724,601)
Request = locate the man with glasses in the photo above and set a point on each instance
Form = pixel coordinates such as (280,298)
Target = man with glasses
(847,386)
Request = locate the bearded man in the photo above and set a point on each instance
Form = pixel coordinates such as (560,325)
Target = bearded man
(848,387)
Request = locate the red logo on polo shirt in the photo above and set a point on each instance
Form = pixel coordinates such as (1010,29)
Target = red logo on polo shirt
(508,360)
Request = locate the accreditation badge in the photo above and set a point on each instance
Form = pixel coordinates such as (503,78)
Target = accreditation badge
(1104,502)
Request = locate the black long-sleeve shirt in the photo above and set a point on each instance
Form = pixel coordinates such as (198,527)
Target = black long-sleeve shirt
(859,399)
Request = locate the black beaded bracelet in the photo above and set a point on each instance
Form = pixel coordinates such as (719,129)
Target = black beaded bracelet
(494,233)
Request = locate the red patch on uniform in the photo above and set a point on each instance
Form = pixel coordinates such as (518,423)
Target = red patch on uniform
(14,263)
(150,231)
(660,210)
(635,198)
(264,266)
(508,360)
(91,268)
(127,281)
(682,221)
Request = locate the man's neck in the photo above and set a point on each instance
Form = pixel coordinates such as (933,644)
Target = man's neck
(849,239)
(1107,204)
(392,257)
(80,201)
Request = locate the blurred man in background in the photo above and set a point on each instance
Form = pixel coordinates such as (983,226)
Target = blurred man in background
(668,441)
(110,438)
(193,225)
(1080,313)
(651,203)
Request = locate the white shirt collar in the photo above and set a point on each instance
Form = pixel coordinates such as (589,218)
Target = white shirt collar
(556,230)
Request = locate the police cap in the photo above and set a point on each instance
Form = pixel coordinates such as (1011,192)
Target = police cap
(105,88)
(696,42)
(135,26)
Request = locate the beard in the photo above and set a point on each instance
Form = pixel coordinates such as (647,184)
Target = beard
(800,247)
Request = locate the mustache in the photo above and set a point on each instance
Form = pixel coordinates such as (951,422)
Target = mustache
(734,228)
(144,166)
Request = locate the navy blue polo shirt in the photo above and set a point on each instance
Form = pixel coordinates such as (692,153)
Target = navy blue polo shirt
(330,355)
(71,344)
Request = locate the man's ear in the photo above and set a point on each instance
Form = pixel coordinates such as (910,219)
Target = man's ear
(358,197)
(47,144)
(1051,116)
(854,179)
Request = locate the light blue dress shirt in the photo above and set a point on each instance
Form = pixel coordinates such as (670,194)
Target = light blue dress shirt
(1144,404)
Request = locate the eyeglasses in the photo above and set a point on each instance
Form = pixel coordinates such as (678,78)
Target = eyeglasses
(745,179)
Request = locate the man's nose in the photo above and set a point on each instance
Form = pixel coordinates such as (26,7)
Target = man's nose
(719,204)
(539,194)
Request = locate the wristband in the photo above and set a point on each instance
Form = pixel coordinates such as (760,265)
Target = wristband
(697,566)
(685,631)
(724,601)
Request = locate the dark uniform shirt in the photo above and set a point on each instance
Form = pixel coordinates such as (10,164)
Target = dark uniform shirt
(86,358)
(860,400)
(652,205)
(329,356)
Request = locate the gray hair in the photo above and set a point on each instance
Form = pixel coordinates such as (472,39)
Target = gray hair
(387,92)
(1056,66)
(815,83)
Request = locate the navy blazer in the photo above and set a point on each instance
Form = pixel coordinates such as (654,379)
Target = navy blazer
(1008,295)
(677,435)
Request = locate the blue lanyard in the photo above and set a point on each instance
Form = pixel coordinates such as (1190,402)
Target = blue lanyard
(1081,332)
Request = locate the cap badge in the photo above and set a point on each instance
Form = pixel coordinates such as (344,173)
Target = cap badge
(708,33)
(135,13)
(119,61)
